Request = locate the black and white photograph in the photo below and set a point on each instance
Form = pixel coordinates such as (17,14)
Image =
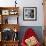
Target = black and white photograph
(29,13)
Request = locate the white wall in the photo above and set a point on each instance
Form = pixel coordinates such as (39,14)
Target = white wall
(33,3)
(26,3)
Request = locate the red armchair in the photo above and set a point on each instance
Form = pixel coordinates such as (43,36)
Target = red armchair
(30,34)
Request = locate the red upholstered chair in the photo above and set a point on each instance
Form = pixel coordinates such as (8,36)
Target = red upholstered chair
(28,34)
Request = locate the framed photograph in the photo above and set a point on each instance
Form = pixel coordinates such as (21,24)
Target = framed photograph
(30,13)
(13,12)
(5,12)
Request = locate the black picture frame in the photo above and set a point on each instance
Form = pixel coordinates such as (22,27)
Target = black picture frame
(29,13)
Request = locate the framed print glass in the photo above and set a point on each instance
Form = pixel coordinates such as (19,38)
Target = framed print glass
(30,13)
(5,12)
(13,12)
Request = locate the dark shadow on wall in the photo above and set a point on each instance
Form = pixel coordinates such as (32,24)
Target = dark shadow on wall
(37,29)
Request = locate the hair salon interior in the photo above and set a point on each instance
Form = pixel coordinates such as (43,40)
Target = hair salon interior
(22,22)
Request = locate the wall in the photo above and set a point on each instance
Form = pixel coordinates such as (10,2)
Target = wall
(26,3)
(33,3)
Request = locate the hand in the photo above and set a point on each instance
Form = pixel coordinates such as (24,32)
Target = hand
(32,41)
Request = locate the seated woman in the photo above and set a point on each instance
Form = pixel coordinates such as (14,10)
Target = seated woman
(30,38)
